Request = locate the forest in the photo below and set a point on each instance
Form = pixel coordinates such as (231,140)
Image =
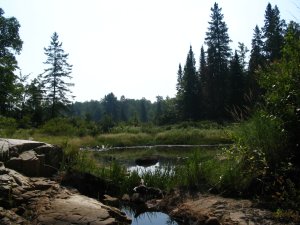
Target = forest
(257,90)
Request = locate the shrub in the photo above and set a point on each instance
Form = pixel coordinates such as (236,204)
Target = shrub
(8,126)
(59,127)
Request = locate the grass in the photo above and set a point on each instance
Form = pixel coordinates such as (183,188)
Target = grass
(198,171)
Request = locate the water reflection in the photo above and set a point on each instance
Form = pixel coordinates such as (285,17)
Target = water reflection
(149,218)
(142,169)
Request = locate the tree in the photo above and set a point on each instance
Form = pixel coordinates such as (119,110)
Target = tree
(143,111)
(159,109)
(257,58)
(218,54)
(273,32)
(10,44)
(189,101)
(111,106)
(256,62)
(34,103)
(123,109)
(282,90)
(242,54)
(237,82)
(54,77)
(202,64)
(179,80)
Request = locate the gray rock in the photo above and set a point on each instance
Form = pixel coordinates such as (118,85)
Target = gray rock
(46,202)
(30,158)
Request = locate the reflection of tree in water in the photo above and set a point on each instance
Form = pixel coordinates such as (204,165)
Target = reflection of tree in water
(140,216)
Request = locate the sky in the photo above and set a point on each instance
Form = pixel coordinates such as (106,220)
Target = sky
(133,47)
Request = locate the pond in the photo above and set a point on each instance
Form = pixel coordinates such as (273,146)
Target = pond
(149,218)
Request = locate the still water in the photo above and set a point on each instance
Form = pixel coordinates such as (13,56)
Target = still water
(150,218)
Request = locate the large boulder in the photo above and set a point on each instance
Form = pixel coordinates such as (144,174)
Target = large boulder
(39,200)
(30,157)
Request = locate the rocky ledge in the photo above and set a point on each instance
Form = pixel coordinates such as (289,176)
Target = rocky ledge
(40,200)
(209,209)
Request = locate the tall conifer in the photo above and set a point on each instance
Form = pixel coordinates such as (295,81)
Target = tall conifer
(273,33)
(55,77)
(218,54)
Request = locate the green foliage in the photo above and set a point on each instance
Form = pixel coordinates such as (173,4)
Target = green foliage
(188,95)
(10,44)
(8,126)
(218,53)
(273,32)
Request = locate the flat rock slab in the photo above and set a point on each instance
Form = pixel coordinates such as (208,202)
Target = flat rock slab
(77,209)
(216,210)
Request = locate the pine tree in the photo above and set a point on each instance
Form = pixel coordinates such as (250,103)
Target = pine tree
(10,44)
(179,79)
(123,109)
(257,61)
(202,66)
(237,82)
(189,100)
(54,77)
(143,111)
(273,33)
(111,106)
(34,103)
(218,53)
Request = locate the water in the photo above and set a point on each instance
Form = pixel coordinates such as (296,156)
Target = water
(153,218)
(142,169)
(149,218)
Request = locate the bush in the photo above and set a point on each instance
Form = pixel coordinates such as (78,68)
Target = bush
(8,126)
(59,127)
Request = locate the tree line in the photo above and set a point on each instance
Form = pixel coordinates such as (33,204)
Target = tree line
(224,85)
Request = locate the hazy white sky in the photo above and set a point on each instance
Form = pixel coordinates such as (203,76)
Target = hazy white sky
(130,47)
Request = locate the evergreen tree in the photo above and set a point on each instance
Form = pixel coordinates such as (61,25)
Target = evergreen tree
(111,106)
(242,54)
(202,66)
(237,82)
(159,109)
(10,44)
(256,54)
(218,53)
(256,62)
(189,99)
(123,109)
(273,33)
(34,103)
(143,111)
(54,77)
(179,80)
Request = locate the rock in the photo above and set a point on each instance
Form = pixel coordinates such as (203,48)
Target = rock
(78,209)
(216,210)
(212,221)
(126,198)
(46,202)
(27,163)
(146,161)
(148,193)
(112,201)
(137,198)
(30,158)
(88,184)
